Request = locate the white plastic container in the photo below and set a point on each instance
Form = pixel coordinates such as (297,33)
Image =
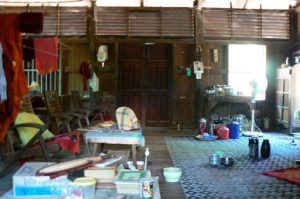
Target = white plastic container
(87,185)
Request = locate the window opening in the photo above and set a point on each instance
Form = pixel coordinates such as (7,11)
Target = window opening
(247,70)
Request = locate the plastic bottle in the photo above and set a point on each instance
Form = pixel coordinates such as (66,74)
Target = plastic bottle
(265,149)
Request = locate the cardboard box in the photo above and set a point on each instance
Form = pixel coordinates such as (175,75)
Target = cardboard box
(27,185)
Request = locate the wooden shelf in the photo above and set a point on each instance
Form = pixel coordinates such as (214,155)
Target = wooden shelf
(283,95)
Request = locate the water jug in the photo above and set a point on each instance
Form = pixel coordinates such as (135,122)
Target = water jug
(265,149)
(234,130)
(253,147)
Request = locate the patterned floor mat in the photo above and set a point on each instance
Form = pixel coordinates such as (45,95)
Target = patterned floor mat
(244,179)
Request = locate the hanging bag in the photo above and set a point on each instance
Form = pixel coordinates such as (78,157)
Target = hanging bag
(94,83)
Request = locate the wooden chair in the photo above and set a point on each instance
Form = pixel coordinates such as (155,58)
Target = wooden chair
(13,150)
(56,112)
(93,112)
(79,106)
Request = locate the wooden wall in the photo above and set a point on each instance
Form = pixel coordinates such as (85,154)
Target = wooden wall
(183,86)
(73,54)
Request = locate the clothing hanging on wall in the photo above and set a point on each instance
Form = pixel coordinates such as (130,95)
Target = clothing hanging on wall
(47,54)
(84,70)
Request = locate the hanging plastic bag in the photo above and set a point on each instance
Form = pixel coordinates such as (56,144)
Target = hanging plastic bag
(94,83)
(102,54)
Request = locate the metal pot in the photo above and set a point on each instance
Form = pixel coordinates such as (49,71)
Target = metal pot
(214,160)
(226,161)
(210,90)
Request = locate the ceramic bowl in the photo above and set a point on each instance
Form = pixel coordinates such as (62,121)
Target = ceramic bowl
(172,174)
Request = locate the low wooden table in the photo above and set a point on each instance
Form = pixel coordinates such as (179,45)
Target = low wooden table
(113,135)
(227,101)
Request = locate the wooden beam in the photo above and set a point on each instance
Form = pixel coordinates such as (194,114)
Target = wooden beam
(245,4)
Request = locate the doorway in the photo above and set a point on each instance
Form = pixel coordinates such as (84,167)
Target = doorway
(144,81)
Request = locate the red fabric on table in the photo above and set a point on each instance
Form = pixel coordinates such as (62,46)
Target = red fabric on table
(291,175)
(70,142)
(46,54)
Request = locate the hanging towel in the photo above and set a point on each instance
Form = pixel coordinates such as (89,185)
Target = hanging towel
(3,84)
(46,54)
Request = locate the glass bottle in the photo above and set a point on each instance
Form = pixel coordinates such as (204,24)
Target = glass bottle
(265,149)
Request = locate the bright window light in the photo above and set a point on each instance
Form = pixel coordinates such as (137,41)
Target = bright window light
(247,70)
(168,3)
(147,3)
(120,3)
(62,3)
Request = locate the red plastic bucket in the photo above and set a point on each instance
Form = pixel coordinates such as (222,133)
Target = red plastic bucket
(223,132)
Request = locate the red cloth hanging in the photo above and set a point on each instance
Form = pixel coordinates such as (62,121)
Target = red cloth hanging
(11,41)
(46,54)
(84,70)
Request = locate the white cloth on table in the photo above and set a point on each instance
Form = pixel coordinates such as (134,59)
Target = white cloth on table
(126,118)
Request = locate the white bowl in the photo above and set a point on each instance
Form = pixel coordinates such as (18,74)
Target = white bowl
(172,174)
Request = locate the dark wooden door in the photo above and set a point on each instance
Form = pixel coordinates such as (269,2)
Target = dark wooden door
(144,81)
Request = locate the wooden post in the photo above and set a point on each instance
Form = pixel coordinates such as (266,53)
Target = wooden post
(198,57)
(92,48)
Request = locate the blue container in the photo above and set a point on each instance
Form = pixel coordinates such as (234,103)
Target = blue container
(234,130)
